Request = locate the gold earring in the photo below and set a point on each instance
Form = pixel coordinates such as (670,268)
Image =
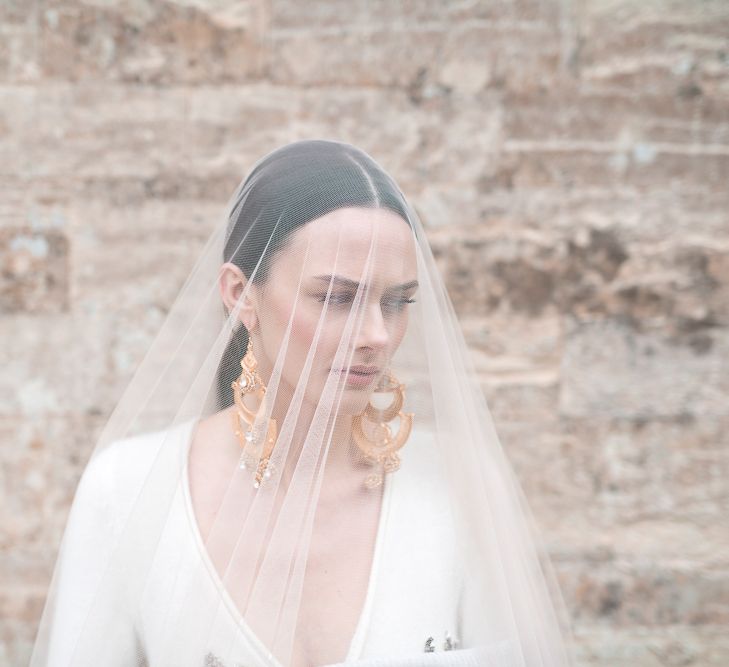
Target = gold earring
(256,454)
(381,448)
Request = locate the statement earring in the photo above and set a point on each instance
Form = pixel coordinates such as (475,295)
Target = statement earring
(256,450)
(381,447)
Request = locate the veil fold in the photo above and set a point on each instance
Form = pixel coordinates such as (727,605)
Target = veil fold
(303,469)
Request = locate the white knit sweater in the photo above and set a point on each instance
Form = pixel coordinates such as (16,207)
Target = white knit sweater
(414,589)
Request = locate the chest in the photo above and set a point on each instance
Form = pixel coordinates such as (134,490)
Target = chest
(336,583)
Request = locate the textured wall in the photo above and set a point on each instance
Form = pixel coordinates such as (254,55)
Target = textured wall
(570,160)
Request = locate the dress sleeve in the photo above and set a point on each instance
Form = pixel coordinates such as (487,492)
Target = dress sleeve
(90,622)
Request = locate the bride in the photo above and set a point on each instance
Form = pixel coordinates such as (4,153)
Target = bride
(303,470)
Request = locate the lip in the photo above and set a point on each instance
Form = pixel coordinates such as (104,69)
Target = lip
(362,370)
(359,376)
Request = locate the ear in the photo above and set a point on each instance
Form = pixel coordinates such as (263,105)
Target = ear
(232,283)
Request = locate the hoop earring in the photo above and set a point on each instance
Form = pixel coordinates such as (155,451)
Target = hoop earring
(256,454)
(382,448)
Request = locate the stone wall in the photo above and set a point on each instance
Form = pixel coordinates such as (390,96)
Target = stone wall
(570,160)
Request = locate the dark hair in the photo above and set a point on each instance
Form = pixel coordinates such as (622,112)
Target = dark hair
(289,187)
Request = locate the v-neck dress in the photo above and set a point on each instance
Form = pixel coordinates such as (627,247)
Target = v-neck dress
(136,585)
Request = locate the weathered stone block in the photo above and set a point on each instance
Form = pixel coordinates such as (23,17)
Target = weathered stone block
(46,455)
(626,594)
(628,47)
(34,271)
(610,370)
(671,646)
(149,42)
(425,59)
(325,14)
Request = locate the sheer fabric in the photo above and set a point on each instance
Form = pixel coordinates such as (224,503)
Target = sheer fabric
(303,469)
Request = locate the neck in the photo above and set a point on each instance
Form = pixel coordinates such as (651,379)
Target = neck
(339,459)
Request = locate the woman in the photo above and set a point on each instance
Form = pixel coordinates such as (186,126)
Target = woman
(266,493)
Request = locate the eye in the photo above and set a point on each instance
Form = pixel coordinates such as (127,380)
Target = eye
(398,304)
(335,299)
(395,305)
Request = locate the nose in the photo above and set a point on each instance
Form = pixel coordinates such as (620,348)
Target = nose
(373,332)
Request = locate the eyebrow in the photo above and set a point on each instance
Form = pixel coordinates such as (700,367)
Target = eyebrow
(346,282)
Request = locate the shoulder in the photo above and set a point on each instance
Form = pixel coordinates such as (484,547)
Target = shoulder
(117,472)
(132,456)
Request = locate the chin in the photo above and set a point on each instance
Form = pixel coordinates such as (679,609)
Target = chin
(353,402)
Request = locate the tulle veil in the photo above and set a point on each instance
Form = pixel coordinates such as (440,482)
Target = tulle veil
(303,469)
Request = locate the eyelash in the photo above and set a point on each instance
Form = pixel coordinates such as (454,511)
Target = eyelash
(337,300)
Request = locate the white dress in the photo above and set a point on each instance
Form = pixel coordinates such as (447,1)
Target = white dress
(414,591)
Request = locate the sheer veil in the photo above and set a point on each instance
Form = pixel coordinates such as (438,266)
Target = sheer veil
(303,470)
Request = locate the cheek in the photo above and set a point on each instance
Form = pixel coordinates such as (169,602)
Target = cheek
(304,324)
(303,330)
(274,325)
(399,326)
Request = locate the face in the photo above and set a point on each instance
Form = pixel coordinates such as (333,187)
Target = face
(372,249)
